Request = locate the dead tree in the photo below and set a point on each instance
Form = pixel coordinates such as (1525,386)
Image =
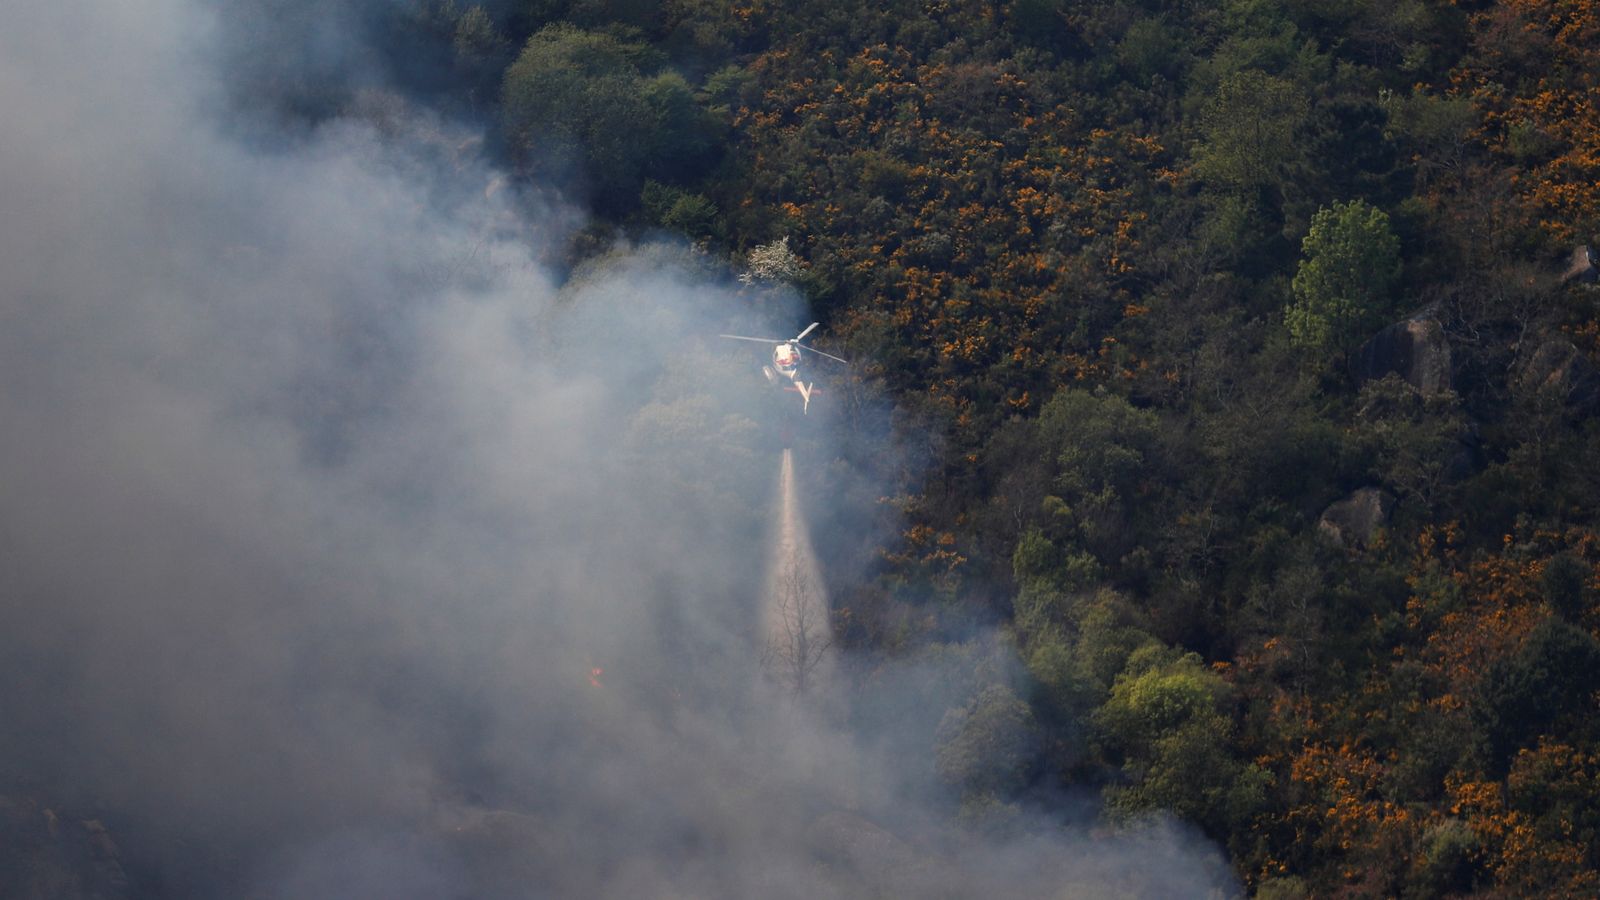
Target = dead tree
(800,637)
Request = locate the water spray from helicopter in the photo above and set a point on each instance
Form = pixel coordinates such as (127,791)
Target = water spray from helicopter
(798,636)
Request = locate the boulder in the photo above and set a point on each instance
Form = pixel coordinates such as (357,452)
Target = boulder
(1584,267)
(1416,349)
(1556,365)
(1355,520)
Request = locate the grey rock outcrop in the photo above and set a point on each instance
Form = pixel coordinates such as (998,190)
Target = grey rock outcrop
(1584,267)
(1355,520)
(1415,348)
(1556,365)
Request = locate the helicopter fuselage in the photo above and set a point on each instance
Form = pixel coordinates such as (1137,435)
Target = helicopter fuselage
(786,360)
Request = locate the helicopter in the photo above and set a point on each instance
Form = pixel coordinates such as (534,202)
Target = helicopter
(786,358)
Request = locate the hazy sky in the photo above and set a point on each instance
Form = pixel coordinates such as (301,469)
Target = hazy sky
(320,500)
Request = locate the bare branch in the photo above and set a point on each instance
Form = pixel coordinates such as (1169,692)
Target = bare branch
(799,641)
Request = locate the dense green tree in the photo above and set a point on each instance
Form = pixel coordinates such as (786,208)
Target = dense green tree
(1106,453)
(682,211)
(985,747)
(1564,583)
(1408,442)
(478,44)
(1250,128)
(1077,645)
(574,98)
(576,104)
(1165,719)
(1344,286)
(1550,678)
(680,136)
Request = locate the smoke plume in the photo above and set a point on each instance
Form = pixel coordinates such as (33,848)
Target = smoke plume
(347,548)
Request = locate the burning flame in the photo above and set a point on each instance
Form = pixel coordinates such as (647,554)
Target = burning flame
(594,675)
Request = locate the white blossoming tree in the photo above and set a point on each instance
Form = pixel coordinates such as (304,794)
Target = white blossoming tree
(773,262)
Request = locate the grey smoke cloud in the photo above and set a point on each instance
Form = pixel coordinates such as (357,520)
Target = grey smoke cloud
(322,495)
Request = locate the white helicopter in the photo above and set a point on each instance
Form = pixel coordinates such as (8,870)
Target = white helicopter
(786,363)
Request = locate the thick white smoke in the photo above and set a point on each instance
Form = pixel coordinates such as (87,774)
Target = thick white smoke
(322,497)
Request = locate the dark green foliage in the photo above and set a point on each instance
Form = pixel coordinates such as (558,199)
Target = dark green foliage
(1152,48)
(1250,126)
(576,105)
(1106,457)
(1164,719)
(574,98)
(679,210)
(1042,23)
(986,746)
(1406,442)
(1537,690)
(681,138)
(1449,863)
(730,88)
(1564,583)
(477,43)
(592,14)
(1106,258)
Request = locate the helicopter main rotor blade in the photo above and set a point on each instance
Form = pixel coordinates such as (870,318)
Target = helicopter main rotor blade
(808,330)
(810,349)
(740,337)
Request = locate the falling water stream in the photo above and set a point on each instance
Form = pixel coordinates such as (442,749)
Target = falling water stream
(798,635)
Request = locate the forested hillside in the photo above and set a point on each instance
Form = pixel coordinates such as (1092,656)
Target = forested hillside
(1249,353)
(1220,445)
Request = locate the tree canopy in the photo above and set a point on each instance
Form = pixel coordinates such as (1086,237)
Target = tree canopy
(1110,261)
(1344,283)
